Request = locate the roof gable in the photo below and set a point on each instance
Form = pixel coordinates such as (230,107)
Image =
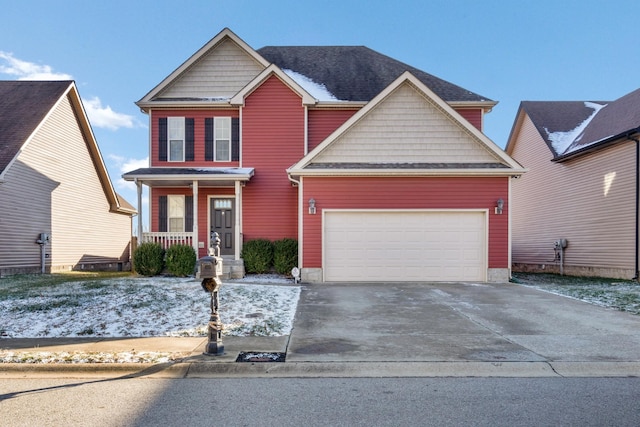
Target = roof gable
(406,127)
(216,72)
(239,98)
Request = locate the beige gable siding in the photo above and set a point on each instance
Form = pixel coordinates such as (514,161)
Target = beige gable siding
(220,74)
(54,188)
(588,200)
(406,128)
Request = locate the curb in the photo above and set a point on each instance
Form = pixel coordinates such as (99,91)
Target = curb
(181,369)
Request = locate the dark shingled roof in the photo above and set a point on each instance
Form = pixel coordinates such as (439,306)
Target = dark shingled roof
(612,121)
(23,105)
(618,117)
(357,73)
(556,116)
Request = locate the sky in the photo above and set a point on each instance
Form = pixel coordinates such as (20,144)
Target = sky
(508,51)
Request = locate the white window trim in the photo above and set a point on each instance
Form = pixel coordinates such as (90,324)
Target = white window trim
(174,120)
(217,120)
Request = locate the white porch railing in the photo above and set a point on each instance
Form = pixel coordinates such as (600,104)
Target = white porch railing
(166,239)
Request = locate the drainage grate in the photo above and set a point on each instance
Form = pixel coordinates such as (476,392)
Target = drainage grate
(260,356)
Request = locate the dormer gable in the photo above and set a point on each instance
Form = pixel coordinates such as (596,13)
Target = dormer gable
(272,70)
(214,74)
(407,129)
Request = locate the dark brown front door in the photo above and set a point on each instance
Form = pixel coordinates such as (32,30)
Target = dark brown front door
(223,222)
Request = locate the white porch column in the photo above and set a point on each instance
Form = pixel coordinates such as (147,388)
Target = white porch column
(139,189)
(237,239)
(194,241)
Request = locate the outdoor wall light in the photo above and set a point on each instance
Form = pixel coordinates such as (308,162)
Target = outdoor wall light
(499,206)
(312,206)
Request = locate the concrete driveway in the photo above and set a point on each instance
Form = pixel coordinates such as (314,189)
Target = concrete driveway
(461,322)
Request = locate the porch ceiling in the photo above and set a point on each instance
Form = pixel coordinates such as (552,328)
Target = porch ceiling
(183,177)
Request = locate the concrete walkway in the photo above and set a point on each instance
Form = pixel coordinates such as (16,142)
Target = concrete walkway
(393,329)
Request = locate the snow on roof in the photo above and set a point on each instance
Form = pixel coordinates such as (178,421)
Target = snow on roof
(561,141)
(317,90)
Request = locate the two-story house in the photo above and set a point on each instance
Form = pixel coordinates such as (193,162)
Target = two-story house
(379,170)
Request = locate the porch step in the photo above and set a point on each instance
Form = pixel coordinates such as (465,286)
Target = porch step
(232,268)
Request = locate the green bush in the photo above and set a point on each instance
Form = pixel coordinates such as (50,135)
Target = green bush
(258,256)
(148,259)
(285,255)
(181,260)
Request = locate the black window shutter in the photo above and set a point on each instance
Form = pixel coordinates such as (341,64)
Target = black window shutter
(208,139)
(162,213)
(188,213)
(235,139)
(189,125)
(162,139)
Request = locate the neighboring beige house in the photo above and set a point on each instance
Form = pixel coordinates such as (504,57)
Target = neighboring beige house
(54,187)
(582,187)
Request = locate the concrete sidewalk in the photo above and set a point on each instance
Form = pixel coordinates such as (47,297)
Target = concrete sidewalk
(398,330)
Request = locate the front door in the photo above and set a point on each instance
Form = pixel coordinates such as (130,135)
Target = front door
(223,222)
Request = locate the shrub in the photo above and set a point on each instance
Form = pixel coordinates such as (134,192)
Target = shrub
(257,255)
(181,260)
(285,255)
(148,259)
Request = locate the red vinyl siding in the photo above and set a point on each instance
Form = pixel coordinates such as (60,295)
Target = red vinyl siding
(199,116)
(322,123)
(473,116)
(272,141)
(407,193)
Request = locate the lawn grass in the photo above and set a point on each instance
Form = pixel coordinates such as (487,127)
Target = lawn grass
(620,294)
(24,285)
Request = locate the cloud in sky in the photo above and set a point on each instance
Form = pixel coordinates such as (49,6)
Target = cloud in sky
(127,165)
(105,117)
(99,116)
(25,70)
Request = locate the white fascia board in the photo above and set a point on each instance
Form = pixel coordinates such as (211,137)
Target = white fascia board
(405,172)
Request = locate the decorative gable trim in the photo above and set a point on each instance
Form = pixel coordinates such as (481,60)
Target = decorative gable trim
(147,100)
(307,166)
(271,70)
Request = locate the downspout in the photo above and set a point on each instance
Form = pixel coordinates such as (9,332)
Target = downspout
(300,218)
(637,203)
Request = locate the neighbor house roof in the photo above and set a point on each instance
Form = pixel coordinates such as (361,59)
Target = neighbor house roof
(357,73)
(571,128)
(24,106)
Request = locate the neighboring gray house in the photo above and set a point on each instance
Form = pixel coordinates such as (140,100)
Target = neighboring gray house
(582,186)
(53,181)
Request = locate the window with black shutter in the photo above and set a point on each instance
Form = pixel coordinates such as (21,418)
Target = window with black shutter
(162,139)
(162,213)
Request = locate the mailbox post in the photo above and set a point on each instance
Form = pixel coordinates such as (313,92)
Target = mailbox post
(209,270)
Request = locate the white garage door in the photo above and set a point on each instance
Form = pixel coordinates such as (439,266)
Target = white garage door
(405,246)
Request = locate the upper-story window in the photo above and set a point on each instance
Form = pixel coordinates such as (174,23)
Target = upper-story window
(222,131)
(222,139)
(176,139)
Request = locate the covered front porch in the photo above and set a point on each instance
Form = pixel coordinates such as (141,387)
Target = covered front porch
(186,205)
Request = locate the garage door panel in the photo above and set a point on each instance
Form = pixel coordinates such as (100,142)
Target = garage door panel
(404,245)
